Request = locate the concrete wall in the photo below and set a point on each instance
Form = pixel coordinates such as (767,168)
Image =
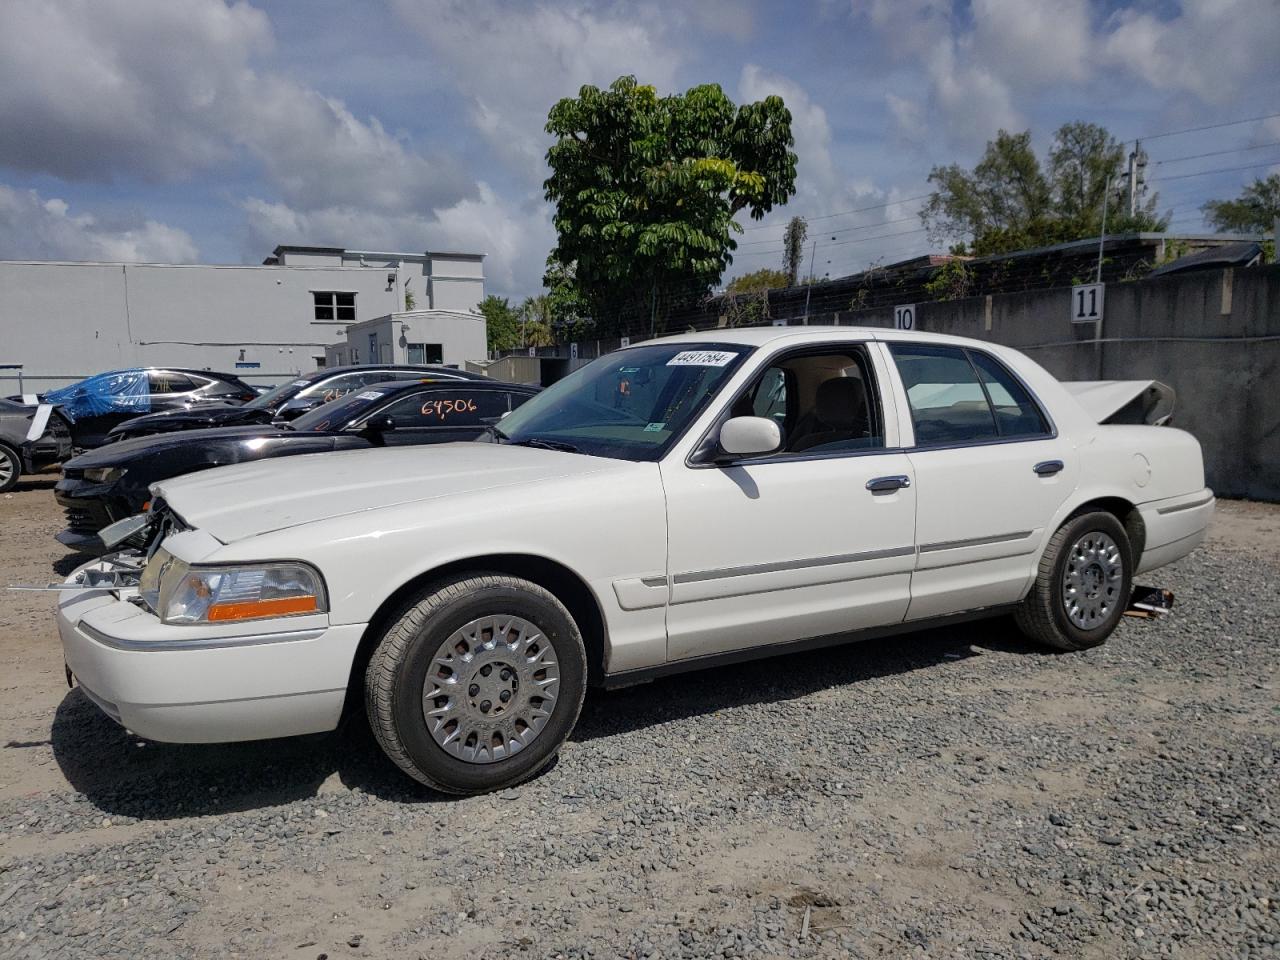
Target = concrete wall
(1214,336)
(64,321)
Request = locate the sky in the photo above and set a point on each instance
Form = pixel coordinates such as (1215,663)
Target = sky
(208,131)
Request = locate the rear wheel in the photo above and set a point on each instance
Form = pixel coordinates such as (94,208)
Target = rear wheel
(10,468)
(1082,586)
(477,684)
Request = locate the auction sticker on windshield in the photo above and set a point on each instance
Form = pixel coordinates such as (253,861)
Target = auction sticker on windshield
(369,395)
(701,358)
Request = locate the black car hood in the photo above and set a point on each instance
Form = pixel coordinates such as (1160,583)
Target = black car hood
(194,419)
(115,454)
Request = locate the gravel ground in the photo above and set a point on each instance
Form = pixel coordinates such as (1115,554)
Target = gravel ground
(952,793)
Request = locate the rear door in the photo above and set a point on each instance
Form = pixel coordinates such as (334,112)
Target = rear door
(990,474)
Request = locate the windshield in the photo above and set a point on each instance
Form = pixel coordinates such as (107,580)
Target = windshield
(276,396)
(630,405)
(336,414)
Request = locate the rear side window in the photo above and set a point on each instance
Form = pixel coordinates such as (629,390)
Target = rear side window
(1017,415)
(165,381)
(963,396)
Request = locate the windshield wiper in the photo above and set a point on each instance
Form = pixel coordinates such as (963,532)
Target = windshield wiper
(543,444)
(495,435)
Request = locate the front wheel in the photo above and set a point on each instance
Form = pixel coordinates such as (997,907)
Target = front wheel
(477,684)
(1082,586)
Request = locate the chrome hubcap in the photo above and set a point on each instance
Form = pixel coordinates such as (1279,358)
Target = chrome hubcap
(491,688)
(8,469)
(1092,580)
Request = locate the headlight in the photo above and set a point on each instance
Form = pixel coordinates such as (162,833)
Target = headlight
(197,594)
(105,474)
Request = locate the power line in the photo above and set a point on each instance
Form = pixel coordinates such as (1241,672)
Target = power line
(1205,173)
(1211,126)
(1218,153)
(865,226)
(841,243)
(843,213)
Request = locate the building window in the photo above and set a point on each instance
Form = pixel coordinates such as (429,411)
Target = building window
(320,362)
(335,307)
(426,353)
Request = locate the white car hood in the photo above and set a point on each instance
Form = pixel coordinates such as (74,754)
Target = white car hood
(232,503)
(1103,399)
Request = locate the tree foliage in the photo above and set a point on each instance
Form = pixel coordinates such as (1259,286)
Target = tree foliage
(501,323)
(1254,211)
(1009,201)
(758,280)
(793,248)
(646,187)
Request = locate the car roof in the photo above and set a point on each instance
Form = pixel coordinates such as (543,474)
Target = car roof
(763,336)
(438,370)
(393,388)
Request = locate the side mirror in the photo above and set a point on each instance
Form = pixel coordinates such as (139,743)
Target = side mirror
(750,436)
(295,408)
(382,423)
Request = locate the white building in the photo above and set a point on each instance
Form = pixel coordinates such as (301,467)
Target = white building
(62,321)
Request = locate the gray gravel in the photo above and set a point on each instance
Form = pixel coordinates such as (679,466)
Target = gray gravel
(954,793)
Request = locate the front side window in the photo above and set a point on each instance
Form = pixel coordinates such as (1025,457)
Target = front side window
(630,405)
(332,306)
(823,402)
(963,396)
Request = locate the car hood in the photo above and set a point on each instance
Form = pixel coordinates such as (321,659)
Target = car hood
(126,451)
(232,503)
(194,418)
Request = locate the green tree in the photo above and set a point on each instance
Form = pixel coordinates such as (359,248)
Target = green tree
(646,188)
(1254,211)
(537,327)
(793,248)
(758,280)
(500,323)
(1009,201)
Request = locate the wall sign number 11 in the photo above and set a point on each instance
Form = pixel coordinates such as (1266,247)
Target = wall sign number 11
(1086,302)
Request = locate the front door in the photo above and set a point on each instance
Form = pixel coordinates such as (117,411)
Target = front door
(990,475)
(815,539)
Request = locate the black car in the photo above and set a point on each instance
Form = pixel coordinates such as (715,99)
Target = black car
(19,452)
(97,404)
(110,483)
(287,401)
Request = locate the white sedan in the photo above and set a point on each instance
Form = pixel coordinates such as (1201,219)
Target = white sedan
(679,504)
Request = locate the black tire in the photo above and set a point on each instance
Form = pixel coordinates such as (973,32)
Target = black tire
(1043,615)
(397,672)
(10,468)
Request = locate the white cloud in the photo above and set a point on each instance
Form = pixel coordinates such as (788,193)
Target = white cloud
(513,61)
(167,89)
(31,228)
(1215,50)
(968,73)
(516,237)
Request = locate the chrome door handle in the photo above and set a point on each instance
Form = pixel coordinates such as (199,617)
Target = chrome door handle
(887,484)
(1047,468)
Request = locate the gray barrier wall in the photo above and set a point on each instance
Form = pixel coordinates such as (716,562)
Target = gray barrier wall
(1214,336)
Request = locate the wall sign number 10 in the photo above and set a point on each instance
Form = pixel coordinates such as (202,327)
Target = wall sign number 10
(1086,303)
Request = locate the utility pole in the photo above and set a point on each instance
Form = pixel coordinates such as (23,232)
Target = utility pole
(1106,195)
(1137,176)
(808,287)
